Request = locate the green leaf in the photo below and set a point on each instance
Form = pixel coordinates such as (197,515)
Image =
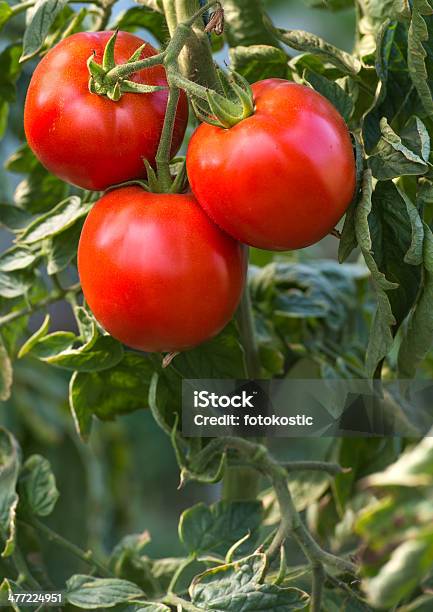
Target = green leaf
(332,91)
(416,137)
(34,339)
(418,335)
(244,24)
(390,236)
(119,390)
(310,43)
(337,600)
(90,593)
(40,190)
(414,468)
(164,398)
(222,357)
(48,346)
(271,347)
(17,258)
(62,248)
(5,13)
(22,160)
(143,606)
(10,71)
(9,469)
(86,322)
(397,236)
(403,573)
(13,218)
(258,62)
(215,528)
(320,290)
(95,356)
(5,374)
(56,220)
(129,562)
(154,5)
(41,19)
(376,522)
(396,98)
(237,586)
(307,487)
(420,48)
(37,486)
(381,338)
(16,283)
(378,11)
(143,17)
(391,158)
(7,588)
(348,240)
(420,604)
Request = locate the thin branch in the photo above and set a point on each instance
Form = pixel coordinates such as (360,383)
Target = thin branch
(319,466)
(291,522)
(102,21)
(164,149)
(319,577)
(23,570)
(23,6)
(245,319)
(86,556)
(53,297)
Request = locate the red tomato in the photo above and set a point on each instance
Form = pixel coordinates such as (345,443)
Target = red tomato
(156,272)
(280,179)
(86,139)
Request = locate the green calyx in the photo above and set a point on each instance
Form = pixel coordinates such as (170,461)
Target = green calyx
(109,79)
(226,111)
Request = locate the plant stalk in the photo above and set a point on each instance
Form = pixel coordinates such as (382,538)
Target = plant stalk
(195,61)
(102,21)
(163,155)
(86,556)
(291,523)
(22,568)
(241,483)
(245,319)
(53,297)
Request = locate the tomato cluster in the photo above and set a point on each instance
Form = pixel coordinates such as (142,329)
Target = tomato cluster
(165,272)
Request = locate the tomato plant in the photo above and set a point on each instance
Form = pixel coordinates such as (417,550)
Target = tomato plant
(88,140)
(181,295)
(145,307)
(280,179)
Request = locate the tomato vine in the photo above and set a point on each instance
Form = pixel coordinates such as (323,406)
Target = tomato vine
(348,527)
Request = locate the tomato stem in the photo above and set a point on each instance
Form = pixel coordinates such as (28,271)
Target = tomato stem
(245,318)
(54,296)
(242,483)
(195,61)
(102,21)
(224,110)
(22,568)
(124,70)
(163,154)
(85,555)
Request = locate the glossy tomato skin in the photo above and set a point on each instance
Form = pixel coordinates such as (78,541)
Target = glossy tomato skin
(156,272)
(89,140)
(280,179)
